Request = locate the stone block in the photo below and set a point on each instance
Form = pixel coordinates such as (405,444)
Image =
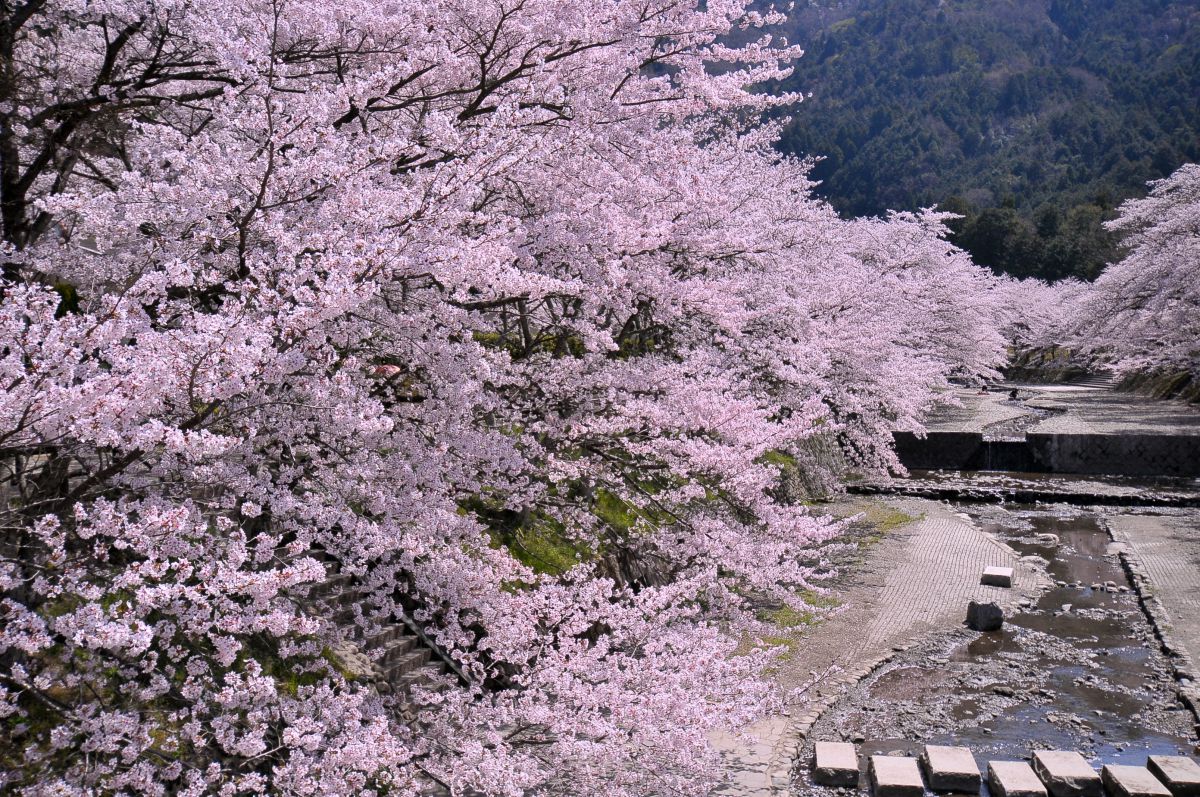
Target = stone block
(984,616)
(997,576)
(950,769)
(1013,779)
(895,776)
(1123,780)
(1066,773)
(1180,774)
(835,764)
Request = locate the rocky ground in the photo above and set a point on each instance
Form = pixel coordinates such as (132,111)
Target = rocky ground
(916,566)
(1076,667)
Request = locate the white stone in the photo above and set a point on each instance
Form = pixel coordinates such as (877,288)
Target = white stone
(1129,781)
(1066,773)
(835,764)
(997,576)
(1180,774)
(895,776)
(950,769)
(1013,779)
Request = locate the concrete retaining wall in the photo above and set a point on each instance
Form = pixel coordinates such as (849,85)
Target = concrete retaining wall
(1124,454)
(945,450)
(1117,455)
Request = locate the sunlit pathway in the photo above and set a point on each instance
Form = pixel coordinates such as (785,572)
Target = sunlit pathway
(1168,549)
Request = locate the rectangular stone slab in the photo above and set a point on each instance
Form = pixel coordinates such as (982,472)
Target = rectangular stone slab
(1127,781)
(1180,774)
(1013,779)
(895,776)
(950,769)
(835,764)
(1066,773)
(997,576)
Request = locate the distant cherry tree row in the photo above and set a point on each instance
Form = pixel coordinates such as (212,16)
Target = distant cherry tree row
(1140,317)
(1143,313)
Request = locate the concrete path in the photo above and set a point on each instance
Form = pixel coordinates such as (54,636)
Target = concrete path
(1168,549)
(917,580)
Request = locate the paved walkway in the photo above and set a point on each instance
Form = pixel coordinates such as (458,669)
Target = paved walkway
(1168,548)
(917,580)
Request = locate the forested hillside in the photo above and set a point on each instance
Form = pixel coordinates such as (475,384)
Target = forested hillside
(1033,118)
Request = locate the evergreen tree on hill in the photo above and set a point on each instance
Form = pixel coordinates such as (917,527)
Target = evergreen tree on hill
(1012,114)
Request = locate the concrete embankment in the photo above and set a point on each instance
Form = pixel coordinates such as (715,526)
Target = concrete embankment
(1118,454)
(1060,429)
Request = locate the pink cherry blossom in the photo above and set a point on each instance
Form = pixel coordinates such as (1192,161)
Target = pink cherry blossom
(297,288)
(1140,315)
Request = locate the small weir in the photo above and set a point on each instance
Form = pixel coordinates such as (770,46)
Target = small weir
(1061,430)
(1131,454)
(1029,488)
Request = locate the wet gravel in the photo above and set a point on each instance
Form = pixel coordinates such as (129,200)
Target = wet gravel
(1005,486)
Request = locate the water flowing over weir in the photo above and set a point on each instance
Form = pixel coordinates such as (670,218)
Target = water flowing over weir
(1097,493)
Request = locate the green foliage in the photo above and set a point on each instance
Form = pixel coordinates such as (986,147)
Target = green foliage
(791,623)
(787,617)
(289,674)
(872,519)
(615,512)
(545,549)
(542,543)
(1032,119)
(779,458)
(885,518)
(290,682)
(68,301)
(533,538)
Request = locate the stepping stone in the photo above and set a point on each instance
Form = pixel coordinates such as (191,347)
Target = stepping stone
(895,776)
(997,576)
(1066,773)
(1128,781)
(950,769)
(1180,774)
(1013,779)
(835,764)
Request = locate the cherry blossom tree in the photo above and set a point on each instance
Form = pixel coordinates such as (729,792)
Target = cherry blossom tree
(391,289)
(1038,312)
(1141,313)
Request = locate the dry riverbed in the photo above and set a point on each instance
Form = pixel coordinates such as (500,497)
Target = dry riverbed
(1076,666)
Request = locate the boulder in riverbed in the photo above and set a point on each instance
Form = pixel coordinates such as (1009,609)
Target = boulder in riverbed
(984,616)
